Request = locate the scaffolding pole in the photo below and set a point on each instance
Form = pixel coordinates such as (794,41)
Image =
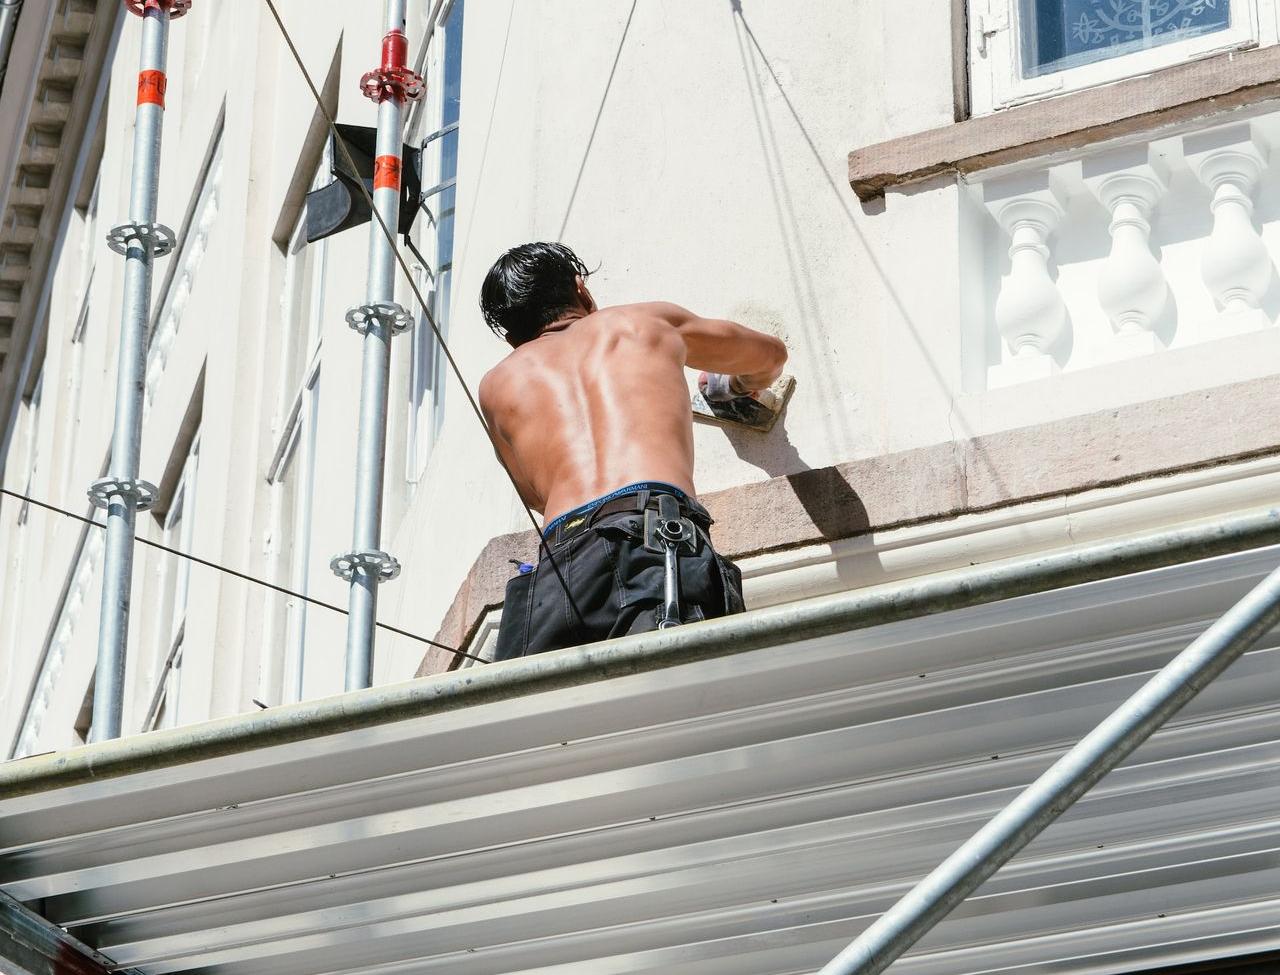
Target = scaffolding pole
(366,566)
(122,493)
(1067,780)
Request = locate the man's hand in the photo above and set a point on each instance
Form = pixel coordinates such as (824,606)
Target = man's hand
(717,387)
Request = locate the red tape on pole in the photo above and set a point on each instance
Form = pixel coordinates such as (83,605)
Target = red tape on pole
(386,173)
(395,51)
(151,87)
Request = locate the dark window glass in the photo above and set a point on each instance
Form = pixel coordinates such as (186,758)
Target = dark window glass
(1061,34)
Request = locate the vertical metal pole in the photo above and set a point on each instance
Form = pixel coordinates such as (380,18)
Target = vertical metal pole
(9,10)
(140,241)
(1066,781)
(366,566)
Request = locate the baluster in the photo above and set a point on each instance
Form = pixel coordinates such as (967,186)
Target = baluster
(1132,288)
(1236,265)
(1030,313)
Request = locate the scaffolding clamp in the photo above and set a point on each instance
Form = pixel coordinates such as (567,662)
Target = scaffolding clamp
(392,315)
(394,78)
(156,237)
(174,8)
(141,493)
(381,566)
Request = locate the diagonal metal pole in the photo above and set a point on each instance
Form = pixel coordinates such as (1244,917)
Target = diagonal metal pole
(1066,781)
(139,241)
(366,566)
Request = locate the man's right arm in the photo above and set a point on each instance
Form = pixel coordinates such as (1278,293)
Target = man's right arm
(753,358)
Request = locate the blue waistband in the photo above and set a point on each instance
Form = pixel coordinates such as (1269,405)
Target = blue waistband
(590,506)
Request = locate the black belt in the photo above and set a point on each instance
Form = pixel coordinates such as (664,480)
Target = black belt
(631,504)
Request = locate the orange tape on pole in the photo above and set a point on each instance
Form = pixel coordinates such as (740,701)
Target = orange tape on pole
(386,173)
(151,87)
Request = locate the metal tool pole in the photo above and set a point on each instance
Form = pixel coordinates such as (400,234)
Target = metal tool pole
(140,241)
(366,566)
(1066,781)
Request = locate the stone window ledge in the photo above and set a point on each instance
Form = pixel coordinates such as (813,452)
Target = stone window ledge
(1171,96)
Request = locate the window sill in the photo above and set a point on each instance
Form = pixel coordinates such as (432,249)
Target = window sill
(1168,97)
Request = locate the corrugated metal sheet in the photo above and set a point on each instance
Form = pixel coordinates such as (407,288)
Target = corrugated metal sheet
(748,814)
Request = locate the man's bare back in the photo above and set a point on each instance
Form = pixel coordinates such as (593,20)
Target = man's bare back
(590,413)
(598,400)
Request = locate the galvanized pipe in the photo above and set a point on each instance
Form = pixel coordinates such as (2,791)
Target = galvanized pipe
(814,618)
(9,10)
(1066,781)
(366,566)
(122,493)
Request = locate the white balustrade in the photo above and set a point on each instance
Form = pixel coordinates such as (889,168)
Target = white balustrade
(1236,266)
(1132,288)
(1029,311)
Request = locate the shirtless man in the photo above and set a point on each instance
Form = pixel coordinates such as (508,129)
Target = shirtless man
(591,416)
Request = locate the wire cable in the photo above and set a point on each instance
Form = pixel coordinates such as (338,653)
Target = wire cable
(240,575)
(413,286)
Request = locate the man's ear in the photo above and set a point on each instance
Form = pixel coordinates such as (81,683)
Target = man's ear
(584,296)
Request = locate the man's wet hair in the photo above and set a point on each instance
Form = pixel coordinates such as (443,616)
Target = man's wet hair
(528,288)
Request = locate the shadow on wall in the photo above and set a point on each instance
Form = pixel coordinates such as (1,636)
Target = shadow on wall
(842,195)
(830,501)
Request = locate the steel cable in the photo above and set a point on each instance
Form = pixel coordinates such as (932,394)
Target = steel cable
(240,575)
(341,145)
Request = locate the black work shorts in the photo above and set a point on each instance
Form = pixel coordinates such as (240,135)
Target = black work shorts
(615,587)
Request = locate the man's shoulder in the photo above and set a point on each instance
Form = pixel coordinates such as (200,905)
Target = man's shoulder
(645,317)
(494,384)
(663,311)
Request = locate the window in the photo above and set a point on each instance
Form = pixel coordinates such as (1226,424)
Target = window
(33,444)
(71,607)
(292,471)
(171,607)
(89,243)
(1026,49)
(184,265)
(75,389)
(435,273)
(13,556)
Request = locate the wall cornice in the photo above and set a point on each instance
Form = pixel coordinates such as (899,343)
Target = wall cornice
(50,102)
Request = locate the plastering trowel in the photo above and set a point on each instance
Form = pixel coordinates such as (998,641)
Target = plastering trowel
(716,402)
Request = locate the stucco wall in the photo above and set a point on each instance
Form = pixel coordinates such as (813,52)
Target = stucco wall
(695,152)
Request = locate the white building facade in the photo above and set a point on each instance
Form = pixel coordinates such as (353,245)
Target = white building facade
(1023,254)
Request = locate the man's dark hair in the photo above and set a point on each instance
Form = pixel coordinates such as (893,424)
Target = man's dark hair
(528,288)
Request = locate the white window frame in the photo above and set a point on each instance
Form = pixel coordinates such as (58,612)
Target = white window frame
(75,390)
(427,362)
(88,238)
(296,456)
(13,564)
(174,589)
(293,462)
(202,213)
(32,461)
(995,53)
